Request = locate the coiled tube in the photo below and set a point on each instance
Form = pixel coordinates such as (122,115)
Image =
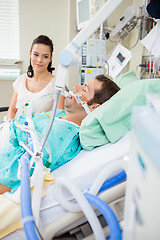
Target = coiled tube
(83,205)
(113,224)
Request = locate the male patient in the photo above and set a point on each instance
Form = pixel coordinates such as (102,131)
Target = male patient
(63,138)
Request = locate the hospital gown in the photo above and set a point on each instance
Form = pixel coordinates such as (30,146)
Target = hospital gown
(63,140)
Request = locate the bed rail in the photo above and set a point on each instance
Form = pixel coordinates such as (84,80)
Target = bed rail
(4,109)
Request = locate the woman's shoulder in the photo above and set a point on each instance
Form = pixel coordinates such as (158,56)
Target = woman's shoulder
(21,78)
(51,84)
(53,79)
(19,81)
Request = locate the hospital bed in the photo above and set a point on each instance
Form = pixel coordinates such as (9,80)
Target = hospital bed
(87,165)
(82,170)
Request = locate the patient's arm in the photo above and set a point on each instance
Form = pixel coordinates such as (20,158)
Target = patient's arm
(12,107)
(61,102)
(4,189)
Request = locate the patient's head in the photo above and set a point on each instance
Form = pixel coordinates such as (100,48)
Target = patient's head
(94,93)
(97,91)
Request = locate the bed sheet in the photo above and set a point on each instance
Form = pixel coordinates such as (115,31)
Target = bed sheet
(82,170)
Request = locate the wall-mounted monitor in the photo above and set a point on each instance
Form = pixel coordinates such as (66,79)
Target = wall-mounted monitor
(83,10)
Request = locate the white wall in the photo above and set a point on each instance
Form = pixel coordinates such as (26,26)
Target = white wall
(48,17)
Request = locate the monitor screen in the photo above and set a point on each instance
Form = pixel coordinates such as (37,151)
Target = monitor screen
(83,13)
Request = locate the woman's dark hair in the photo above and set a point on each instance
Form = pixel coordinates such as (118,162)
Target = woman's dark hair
(42,39)
(107,90)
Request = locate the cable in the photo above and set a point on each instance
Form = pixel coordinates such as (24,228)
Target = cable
(136,41)
(107,66)
(38,232)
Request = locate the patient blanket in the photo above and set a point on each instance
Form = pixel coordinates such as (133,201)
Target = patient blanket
(10,213)
(63,144)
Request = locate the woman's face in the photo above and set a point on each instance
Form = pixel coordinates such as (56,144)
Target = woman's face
(40,57)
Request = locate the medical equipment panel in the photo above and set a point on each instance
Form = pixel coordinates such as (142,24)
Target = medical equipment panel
(83,10)
(142,208)
(149,67)
(127,22)
(86,74)
(91,59)
(92,53)
(117,60)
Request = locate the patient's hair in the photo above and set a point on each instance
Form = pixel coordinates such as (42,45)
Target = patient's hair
(42,39)
(108,89)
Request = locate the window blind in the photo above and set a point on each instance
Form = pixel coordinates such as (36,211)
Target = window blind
(9,30)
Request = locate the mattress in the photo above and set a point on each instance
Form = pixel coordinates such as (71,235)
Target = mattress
(82,170)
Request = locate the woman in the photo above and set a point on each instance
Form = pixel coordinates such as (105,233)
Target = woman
(31,87)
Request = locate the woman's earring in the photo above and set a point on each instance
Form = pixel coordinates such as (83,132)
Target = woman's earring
(30,72)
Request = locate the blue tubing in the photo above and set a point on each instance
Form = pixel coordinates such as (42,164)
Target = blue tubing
(111,182)
(26,210)
(113,224)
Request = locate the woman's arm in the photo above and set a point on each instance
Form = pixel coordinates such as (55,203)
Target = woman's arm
(12,107)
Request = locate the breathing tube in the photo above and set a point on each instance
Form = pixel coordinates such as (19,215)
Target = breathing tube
(32,150)
(26,212)
(102,206)
(83,205)
(110,169)
(26,209)
(53,114)
(68,93)
(83,103)
(115,231)
(29,128)
(111,182)
(96,188)
(98,185)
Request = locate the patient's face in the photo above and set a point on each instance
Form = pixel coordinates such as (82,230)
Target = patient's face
(72,105)
(88,89)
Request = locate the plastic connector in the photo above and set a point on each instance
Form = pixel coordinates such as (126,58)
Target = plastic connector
(142,65)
